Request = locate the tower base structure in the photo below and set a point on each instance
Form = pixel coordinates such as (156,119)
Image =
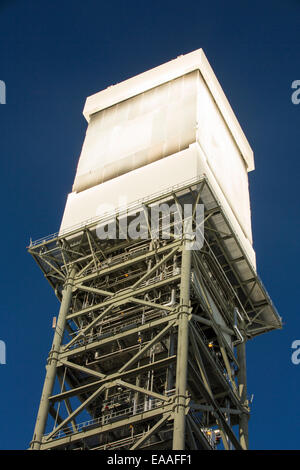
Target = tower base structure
(149,345)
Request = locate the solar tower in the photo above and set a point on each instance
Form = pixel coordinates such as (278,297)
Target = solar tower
(155,272)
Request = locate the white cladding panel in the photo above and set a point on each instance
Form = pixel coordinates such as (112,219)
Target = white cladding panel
(143,182)
(126,189)
(167,72)
(170,124)
(161,122)
(138,131)
(223,157)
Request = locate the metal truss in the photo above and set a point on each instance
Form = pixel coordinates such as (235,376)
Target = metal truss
(149,345)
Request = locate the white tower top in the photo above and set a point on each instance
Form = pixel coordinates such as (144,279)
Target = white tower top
(155,131)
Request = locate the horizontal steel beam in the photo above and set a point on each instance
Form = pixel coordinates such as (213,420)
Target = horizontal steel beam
(107,427)
(110,339)
(125,264)
(90,386)
(122,298)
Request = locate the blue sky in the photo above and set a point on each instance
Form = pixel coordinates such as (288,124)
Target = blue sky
(55,54)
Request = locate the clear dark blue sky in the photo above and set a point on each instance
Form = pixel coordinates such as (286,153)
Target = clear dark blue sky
(55,54)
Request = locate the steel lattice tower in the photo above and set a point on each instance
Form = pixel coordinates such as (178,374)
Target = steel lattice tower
(149,345)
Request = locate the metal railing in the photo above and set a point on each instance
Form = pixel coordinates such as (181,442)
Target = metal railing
(221,367)
(119,328)
(126,441)
(106,418)
(208,433)
(118,211)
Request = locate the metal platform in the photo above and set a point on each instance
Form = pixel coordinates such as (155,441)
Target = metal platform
(149,345)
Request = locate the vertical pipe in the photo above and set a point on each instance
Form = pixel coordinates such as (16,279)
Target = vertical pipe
(136,394)
(42,415)
(182,352)
(170,373)
(242,382)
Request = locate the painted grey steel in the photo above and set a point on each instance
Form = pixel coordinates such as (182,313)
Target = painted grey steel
(52,362)
(182,349)
(149,351)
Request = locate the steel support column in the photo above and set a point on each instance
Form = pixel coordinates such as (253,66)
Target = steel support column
(52,363)
(128,314)
(242,383)
(182,351)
